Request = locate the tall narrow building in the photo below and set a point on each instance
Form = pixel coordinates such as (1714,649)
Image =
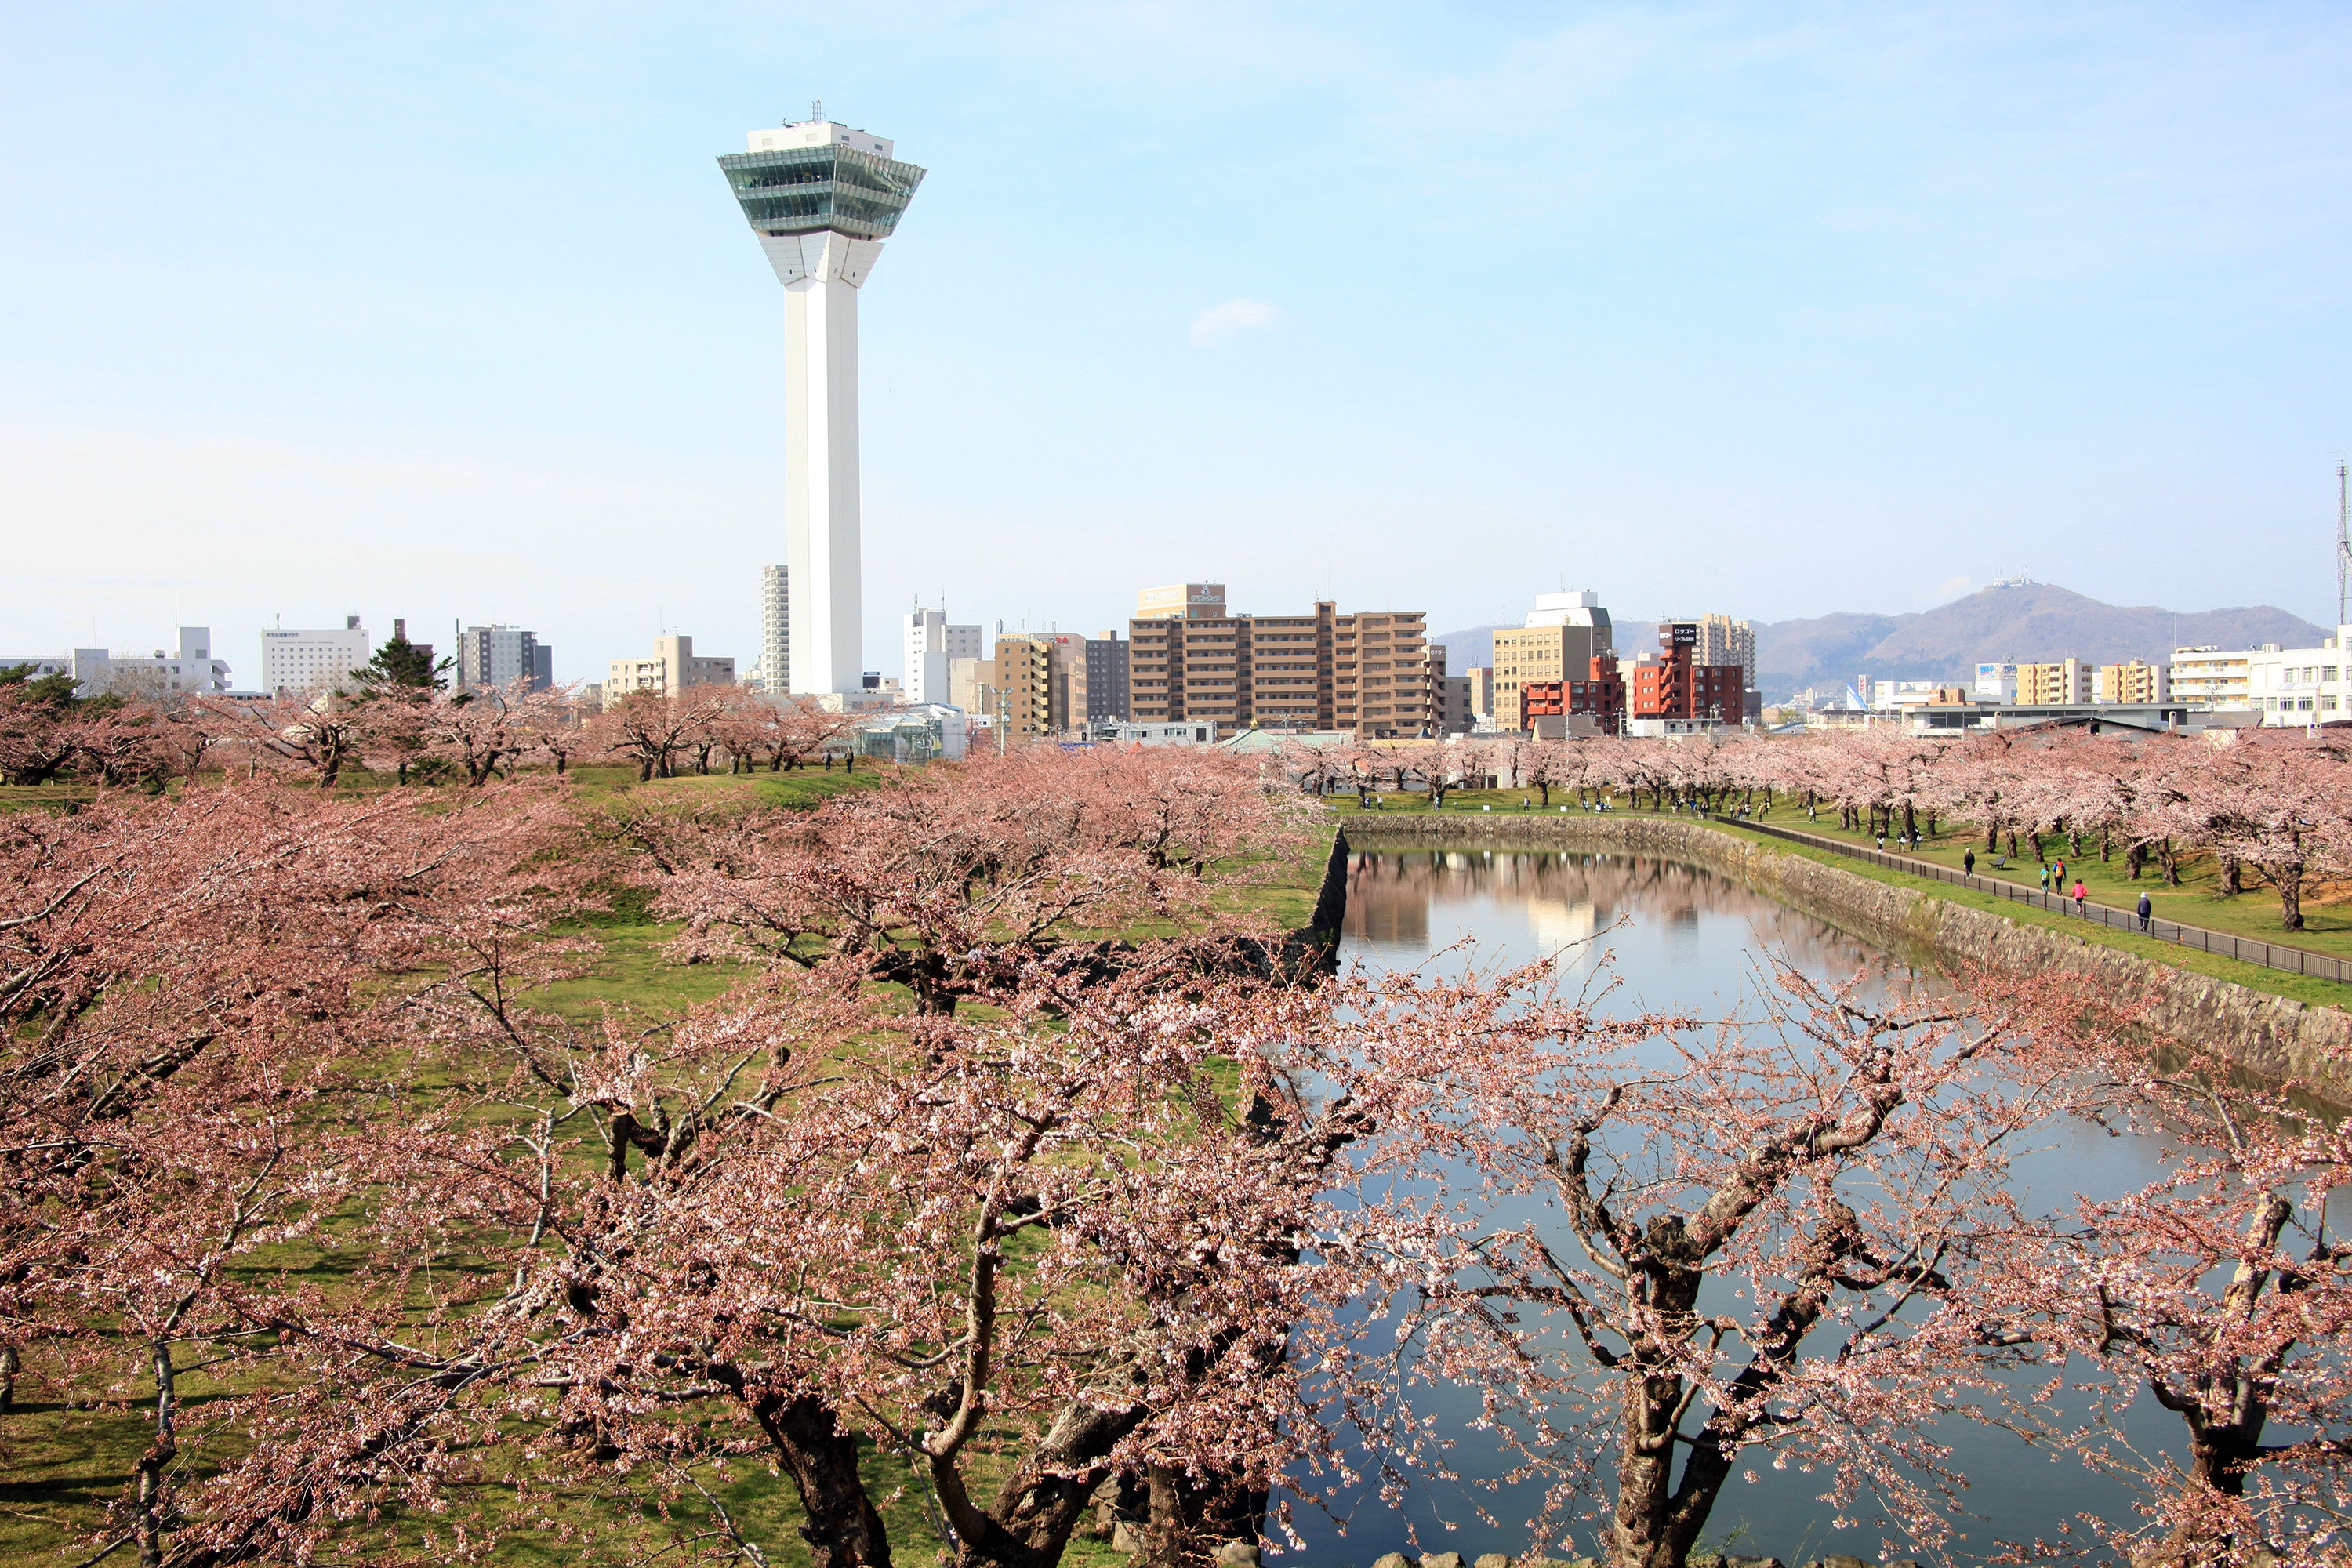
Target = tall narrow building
(822,198)
(775,631)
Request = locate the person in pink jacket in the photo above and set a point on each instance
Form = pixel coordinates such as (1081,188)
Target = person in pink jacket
(2078,898)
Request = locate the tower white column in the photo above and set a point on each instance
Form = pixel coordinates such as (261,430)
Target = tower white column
(820,274)
(821,198)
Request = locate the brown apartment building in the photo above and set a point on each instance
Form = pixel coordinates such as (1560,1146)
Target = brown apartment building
(1040,681)
(1189,659)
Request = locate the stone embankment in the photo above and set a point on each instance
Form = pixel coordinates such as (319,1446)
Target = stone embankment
(1242,1555)
(2274,1037)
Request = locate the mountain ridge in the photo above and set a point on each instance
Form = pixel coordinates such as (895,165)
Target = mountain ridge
(2016,621)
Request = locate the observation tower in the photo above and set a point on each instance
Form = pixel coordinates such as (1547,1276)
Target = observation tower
(822,198)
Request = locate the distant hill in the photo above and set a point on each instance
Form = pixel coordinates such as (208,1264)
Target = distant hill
(2022,621)
(1468,649)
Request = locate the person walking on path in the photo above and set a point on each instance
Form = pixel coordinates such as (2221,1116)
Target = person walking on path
(2143,911)
(1968,864)
(2079,896)
(2061,873)
(2045,877)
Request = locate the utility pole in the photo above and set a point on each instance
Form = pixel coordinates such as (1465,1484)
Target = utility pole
(2343,544)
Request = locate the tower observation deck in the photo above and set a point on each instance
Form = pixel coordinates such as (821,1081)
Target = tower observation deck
(821,198)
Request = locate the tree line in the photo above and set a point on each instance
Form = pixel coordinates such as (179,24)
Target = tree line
(2270,806)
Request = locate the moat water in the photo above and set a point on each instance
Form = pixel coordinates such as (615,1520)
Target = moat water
(1682,936)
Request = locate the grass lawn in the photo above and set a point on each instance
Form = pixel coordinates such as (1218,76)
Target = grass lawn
(2198,902)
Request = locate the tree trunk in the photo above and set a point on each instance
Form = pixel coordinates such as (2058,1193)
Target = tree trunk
(1044,1499)
(839,1521)
(156,1462)
(2232,881)
(2290,891)
(1190,1515)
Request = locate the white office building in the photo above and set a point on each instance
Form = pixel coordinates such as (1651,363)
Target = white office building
(297,661)
(1995,683)
(932,646)
(822,198)
(193,671)
(2291,687)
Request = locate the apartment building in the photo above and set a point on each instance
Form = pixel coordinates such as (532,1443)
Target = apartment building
(1676,686)
(1105,679)
(774,668)
(1022,672)
(491,656)
(2065,681)
(673,667)
(1722,640)
(2133,681)
(2208,678)
(1594,704)
(1455,716)
(1374,672)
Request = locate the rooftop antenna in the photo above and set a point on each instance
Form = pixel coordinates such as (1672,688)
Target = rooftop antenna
(816,109)
(2343,545)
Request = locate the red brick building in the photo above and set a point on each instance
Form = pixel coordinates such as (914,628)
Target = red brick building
(1602,696)
(1676,688)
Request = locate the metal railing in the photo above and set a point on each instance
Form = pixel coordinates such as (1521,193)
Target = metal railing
(2270,955)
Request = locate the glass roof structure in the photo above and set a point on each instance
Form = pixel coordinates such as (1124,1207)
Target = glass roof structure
(810,190)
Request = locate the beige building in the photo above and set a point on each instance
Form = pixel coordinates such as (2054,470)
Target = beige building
(1562,634)
(674,666)
(971,686)
(2133,682)
(2066,682)
(1181,602)
(1022,675)
(1374,673)
(1482,690)
(1722,640)
(1036,685)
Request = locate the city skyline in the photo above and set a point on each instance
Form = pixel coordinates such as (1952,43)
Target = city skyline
(1935,299)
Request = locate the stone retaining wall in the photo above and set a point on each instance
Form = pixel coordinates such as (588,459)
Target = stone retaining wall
(2274,1036)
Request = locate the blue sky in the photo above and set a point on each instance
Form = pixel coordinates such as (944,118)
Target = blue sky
(444,311)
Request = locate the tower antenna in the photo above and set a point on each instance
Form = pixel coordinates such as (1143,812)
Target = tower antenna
(2343,546)
(816,109)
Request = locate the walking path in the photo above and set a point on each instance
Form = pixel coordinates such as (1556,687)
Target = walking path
(2270,954)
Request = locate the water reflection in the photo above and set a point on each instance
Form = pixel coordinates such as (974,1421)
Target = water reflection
(1680,937)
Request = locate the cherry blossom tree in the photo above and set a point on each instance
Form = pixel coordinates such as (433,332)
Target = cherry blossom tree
(2217,1290)
(200,1015)
(2281,804)
(657,729)
(1768,1244)
(938,879)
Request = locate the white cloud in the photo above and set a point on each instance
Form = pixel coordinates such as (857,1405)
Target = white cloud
(1947,590)
(1239,314)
